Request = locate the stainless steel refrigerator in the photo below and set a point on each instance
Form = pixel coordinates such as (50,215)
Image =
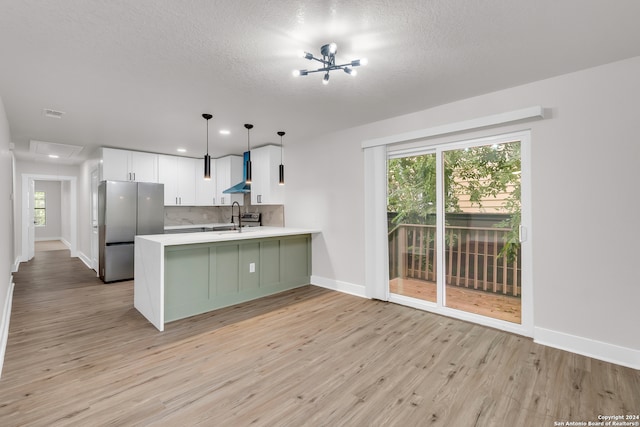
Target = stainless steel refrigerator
(126,209)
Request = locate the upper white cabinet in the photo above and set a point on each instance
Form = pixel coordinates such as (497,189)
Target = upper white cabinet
(265,189)
(124,165)
(178,176)
(205,189)
(228,172)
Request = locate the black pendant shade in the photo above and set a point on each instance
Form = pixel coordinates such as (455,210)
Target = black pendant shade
(281,168)
(248,164)
(207,157)
(207,167)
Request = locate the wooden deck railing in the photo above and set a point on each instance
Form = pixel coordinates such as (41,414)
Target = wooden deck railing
(472,257)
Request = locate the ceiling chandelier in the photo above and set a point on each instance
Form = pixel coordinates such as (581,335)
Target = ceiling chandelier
(328,61)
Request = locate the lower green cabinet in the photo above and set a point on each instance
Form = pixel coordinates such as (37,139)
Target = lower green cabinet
(204,277)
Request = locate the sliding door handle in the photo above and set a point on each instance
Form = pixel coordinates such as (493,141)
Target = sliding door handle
(522,233)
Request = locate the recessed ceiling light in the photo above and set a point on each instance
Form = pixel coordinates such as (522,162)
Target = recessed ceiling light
(225,132)
(181,150)
(54,156)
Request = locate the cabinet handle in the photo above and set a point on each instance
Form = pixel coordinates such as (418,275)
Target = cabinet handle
(214,200)
(222,200)
(259,198)
(180,199)
(134,176)
(176,200)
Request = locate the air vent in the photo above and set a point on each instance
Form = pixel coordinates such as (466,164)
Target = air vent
(54,114)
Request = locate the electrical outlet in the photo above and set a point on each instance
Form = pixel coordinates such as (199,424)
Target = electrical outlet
(252,267)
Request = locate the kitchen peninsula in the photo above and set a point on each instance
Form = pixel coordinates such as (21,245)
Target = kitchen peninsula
(184,274)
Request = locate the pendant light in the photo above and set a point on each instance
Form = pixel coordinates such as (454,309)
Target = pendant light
(248,164)
(281,180)
(207,157)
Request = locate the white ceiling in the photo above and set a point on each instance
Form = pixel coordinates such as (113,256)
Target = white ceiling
(139,74)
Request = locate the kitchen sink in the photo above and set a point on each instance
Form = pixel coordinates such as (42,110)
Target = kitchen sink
(197,230)
(244,230)
(185,230)
(217,230)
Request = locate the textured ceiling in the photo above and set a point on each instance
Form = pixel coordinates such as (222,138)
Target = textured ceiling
(139,74)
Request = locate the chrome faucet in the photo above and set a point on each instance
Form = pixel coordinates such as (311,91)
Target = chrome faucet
(239,217)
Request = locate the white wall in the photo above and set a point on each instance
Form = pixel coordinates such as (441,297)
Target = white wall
(586,286)
(6,230)
(53,202)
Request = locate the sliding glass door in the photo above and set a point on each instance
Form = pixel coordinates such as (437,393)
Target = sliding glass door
(454,222)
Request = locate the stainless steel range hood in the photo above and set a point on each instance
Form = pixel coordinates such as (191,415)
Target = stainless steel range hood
(242,186)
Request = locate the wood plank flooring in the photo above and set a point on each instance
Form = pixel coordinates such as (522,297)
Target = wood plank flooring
(79,354)
(49,245)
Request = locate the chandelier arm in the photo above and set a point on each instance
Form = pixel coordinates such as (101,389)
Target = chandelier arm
(319,70)
(321,60)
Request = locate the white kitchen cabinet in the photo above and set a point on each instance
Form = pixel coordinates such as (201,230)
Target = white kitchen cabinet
(125,165)
(228,172)
(177,175)
(265,189)
(205,189)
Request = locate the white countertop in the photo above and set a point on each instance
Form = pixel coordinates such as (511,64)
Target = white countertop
(223,236)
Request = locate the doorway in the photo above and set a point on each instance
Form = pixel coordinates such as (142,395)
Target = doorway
(456,231)
(27,214)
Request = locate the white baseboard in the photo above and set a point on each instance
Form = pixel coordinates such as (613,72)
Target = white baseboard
(587,347)
(66,243)
(85,259)
(16,265)
(336,285)
(5,316)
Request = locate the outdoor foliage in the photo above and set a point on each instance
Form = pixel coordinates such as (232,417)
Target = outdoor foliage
(481,172)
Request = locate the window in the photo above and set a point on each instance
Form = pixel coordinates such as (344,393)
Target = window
(40,209)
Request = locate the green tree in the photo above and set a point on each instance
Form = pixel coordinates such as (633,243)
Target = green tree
(481,172)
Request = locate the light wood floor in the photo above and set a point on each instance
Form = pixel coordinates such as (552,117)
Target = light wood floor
(49,245)
(498,306)
(79,354)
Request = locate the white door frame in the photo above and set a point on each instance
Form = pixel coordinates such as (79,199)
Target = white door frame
(31,228)
(95,177)
(27,239)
